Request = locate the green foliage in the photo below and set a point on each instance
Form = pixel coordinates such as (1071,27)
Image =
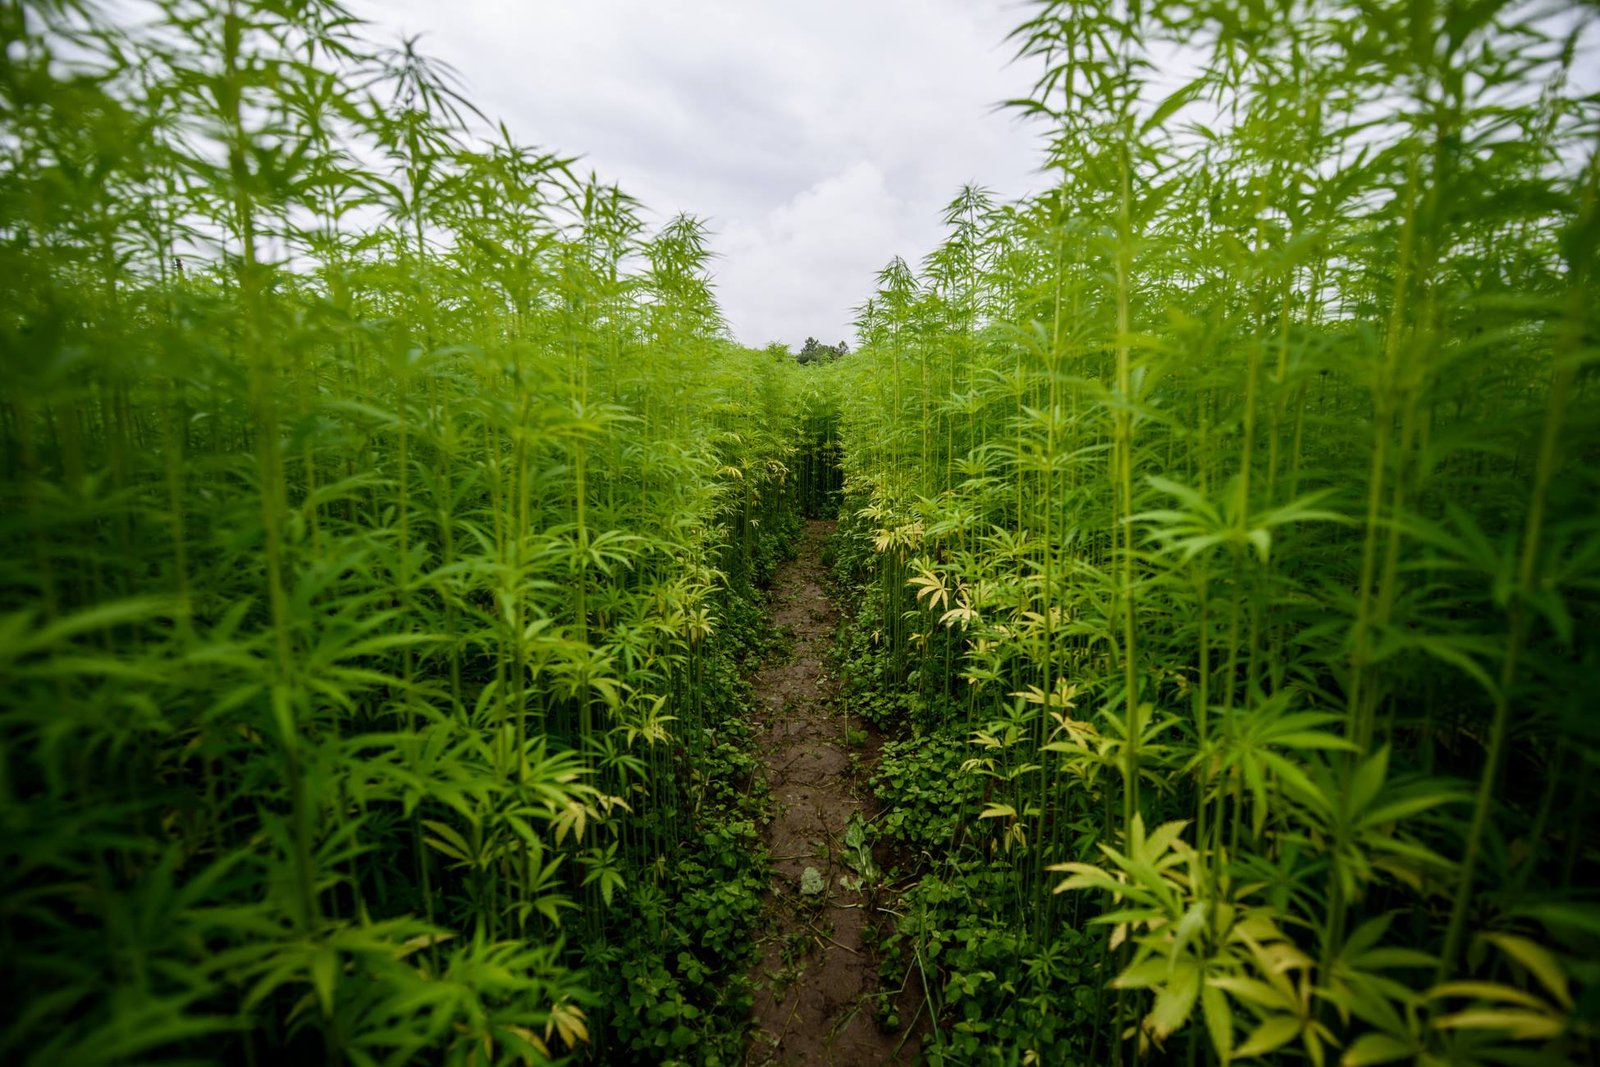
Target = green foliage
(674,953)
(1001,998)
(929,801)
(382,511)
(1239,486)
(814,351)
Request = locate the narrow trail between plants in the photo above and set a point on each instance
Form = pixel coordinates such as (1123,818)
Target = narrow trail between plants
(816,973)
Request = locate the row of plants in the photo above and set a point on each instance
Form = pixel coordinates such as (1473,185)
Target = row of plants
(1223,524)
(383,511)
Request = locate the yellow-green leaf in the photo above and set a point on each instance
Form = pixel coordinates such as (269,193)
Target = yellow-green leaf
(452,843)
(1376,1048)
(1175,1001)
(1522,1025)
(1275,1032)
(1219,1020)
(1539,961)
(1255,991)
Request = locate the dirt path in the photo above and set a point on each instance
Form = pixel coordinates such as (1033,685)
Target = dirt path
(814,972)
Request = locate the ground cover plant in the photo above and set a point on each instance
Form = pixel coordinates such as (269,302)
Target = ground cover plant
(383,516)
(1231,504)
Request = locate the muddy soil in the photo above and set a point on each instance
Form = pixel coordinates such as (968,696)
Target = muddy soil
(816,973)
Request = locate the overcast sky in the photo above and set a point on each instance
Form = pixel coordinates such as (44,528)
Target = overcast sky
(817,139)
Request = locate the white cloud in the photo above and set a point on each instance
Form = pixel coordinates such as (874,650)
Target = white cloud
(817,139)
(797,260)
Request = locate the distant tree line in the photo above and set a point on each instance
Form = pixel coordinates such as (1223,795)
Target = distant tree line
(814,351)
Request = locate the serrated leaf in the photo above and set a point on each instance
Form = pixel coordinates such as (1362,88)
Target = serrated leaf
(1219,1020)
(1175,1000)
